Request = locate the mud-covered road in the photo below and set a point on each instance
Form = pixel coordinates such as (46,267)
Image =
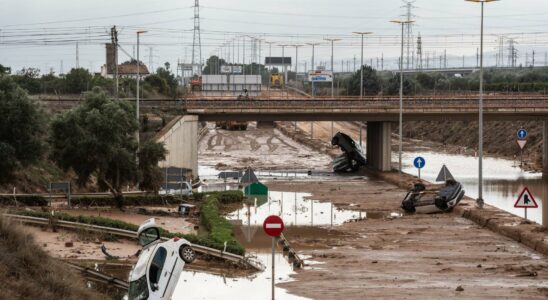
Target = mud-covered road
(259,148)
(388,255)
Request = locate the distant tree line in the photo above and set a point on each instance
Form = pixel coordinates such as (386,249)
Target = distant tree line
(162,82)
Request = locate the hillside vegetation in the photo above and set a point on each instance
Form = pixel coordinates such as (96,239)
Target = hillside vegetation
(27,272)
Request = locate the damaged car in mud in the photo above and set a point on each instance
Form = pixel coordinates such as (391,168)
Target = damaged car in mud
(443,199)
(160,264)
(352,158)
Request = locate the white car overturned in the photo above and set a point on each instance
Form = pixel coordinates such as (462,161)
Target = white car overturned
(160,264)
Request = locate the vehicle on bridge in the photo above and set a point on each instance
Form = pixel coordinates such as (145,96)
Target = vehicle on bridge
(352,158)
(160,264)
(276,81)
(443,199)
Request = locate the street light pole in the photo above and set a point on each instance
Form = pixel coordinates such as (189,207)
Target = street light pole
(361,76)
(313,68)
(400,146)
(332,69)
(479,201)
(137,99)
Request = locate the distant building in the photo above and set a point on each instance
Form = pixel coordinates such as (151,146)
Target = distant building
(125,70)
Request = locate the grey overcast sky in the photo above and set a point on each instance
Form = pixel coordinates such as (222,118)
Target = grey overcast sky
(42,34)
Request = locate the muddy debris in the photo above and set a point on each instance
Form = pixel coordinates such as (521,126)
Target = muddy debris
(459,289)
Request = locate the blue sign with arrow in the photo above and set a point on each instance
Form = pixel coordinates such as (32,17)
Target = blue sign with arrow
(522,134)
(419,162)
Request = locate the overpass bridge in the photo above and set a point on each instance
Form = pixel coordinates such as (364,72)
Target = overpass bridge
(379,113)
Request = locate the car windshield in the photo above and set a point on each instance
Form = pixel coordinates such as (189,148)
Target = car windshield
(138,289)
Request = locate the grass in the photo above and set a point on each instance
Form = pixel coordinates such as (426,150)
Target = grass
(27,272)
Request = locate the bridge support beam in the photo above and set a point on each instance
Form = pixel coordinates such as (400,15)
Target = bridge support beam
(180,137)
(379,152)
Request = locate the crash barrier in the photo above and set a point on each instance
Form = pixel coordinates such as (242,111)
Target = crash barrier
(100,277)
(291,253)
(133,235)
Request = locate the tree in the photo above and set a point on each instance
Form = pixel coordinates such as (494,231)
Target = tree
(394,86)
(213,65)
(28,79)
(4,70)
(97,138)
(371,83)
(77,81)
(23,126)
(150,155)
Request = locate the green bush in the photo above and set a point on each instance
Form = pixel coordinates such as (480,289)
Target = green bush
(25,200)
(128,200)
(226,197)
(220,229)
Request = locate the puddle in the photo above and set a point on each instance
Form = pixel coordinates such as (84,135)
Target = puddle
(294,209)
(197,285)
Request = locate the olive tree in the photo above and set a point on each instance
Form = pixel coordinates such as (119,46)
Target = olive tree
(97,140)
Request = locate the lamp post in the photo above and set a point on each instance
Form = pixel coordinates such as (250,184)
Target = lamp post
(313,68)
(332,69)
(479,201)
(296,68)
(362,33)
(137,98)
(269,67)
(400,150)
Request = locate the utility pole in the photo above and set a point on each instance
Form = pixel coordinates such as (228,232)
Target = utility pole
(419,51)
(313,66)
(361,33)
(197,40)
(408,5)
(150,49)
(402,23)
(77,56)
(332,69)
(354,63)
(114,40)
(137,99)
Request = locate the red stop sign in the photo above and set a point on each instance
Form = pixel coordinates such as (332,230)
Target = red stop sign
(273,225)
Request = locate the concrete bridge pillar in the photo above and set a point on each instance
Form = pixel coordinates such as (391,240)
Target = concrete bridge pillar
(180,137)
(379,142)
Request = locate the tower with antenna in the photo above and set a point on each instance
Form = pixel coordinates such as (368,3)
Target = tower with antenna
(197,41)
(512,53)
(409,57)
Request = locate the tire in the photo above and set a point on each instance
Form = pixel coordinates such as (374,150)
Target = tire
(187,254)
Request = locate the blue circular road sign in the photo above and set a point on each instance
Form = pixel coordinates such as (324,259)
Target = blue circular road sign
(419,162)
(522,134)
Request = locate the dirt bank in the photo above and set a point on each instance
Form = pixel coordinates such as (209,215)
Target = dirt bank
(499,138)
(413,256)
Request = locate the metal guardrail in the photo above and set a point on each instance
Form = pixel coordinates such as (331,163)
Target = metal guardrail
(133,235)
(101,277)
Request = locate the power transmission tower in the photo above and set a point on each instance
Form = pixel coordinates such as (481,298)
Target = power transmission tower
(409,30)
(512,53)
(533,64)
(197,40)
(419,51)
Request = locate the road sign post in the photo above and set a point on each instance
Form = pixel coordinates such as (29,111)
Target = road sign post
(521,144)
(273,226)
(525,201)
(419,163)
(522,141)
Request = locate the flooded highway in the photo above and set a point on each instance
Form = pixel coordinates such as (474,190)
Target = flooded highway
(503,179)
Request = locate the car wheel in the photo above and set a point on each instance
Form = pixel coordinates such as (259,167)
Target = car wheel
(187,254)
(408,206)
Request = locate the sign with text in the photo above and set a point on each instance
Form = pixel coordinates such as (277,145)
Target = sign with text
(320,76)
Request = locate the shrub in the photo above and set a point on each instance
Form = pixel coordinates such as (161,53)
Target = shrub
(225,197)
(128,200)
(25,200)
(220,229)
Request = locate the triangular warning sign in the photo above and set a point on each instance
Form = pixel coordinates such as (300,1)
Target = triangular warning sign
(522,143)
(526,200)
(444,174)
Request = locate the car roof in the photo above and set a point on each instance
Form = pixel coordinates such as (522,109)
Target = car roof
(150,223)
